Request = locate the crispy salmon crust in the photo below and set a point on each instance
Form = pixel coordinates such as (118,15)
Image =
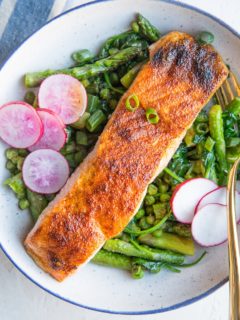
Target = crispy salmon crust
(106,190)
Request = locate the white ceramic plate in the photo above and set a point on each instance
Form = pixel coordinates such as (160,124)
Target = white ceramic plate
(96,287)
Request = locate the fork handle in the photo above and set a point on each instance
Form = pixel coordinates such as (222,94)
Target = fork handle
(233,247)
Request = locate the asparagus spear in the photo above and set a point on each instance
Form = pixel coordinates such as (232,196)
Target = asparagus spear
(128,249)
(147,30)
(169,241)
(217,133)
(33,79)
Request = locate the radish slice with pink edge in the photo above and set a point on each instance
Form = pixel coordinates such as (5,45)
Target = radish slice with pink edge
(20,125)
(209,225)
(45,171)
(187,195)
(64,95)
(54,134)
(219,195)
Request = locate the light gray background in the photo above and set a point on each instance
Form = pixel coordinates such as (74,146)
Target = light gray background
(22,300)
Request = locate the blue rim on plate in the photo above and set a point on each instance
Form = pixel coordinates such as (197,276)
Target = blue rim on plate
(161,310)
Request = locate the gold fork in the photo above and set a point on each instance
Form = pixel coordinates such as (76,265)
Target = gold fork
(225,95)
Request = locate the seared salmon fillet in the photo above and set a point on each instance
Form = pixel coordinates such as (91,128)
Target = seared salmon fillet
(107,189)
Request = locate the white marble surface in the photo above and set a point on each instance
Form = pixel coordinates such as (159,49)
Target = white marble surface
(22,300)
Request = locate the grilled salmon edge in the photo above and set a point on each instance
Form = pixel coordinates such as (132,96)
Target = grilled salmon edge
(31,247)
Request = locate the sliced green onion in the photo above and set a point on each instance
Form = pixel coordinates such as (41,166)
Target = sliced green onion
(152,116)
(132,105)
(209,144)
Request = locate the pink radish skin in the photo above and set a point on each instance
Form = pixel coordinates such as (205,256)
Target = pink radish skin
(218,196)
(20,124)
(54,134)
(186,197)
(64,95)
(209,225)
(45,171)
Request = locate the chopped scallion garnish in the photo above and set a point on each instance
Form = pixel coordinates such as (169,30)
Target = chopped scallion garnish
(152,116)
(132,102)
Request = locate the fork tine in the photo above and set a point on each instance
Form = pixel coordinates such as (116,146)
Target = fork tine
(229,90)
(220,99)
(224,95)
(235,82)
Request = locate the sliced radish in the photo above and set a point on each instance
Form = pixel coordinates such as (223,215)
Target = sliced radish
(209,225)
(54,134)
(219,195)
(64,95)
(20,125)
(45,171)
(187,195)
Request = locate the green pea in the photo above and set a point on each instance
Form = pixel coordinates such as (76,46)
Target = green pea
(140,214)
(143,223)
(150,219)
(152,189)
(163,187)
(149,200)
(11,153)
(164,197)
(23,204)
(105,94)
(10,166)
(205,37)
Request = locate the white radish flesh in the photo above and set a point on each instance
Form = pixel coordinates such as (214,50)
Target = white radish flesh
(64,95)
(54,134)
(20,125)
(219,195)
(45,171)
(186,197)
(209,225)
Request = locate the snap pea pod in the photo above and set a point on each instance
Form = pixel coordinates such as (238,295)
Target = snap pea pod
(217,133)
(33,79)
(128,249)
(115,260)
(168,241)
